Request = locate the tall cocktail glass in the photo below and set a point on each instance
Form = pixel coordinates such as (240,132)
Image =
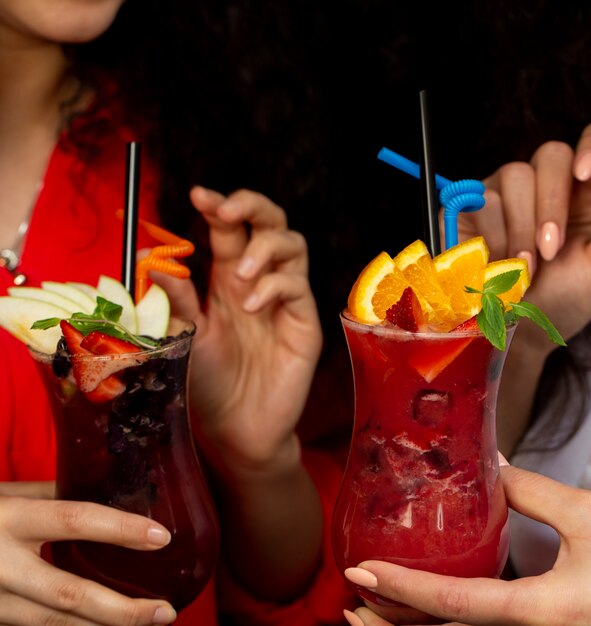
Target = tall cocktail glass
(135,453)
(421,486)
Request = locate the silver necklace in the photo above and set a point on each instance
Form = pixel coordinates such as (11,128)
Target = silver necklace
(10,257)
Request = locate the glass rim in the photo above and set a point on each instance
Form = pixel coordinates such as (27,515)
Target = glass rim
(188,326)
(394,331)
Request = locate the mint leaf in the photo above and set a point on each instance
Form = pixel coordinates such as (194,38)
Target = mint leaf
(491,321)
(532,312)
(106,310)
(104,318)
(50,322)
(502,282)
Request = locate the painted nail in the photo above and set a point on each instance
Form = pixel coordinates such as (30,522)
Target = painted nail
(245,267)
(529,257)
(549,240)
(251,303)
(502,460)
(361,577)
(353,619)
(583,167)
(164,615)
(158,536)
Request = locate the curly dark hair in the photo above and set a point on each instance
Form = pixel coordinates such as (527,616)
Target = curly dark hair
(295,98)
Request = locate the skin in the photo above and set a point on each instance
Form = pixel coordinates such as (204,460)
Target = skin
(254,357)
(522,200)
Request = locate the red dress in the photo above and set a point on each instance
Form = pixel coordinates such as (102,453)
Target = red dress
(74,235)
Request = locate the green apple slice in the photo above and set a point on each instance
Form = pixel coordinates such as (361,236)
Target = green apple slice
(17,315)
(153,313)
(85,303)
(89,290)
(114,291)
(36,293)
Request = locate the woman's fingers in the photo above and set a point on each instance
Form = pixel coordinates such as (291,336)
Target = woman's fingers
(284,249)
(41,520)
(469,601)
(565,508)
(64,592)
(582,161)
(553,162)
(233,219)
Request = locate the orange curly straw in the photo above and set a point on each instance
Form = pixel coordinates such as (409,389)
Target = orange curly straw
(160,257)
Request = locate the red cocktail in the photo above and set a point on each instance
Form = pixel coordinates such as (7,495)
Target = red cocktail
(135,452)
(421,487)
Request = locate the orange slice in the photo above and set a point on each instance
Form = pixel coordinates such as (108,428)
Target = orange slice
(506,265)
(416,265)
(360,300)
(460,266)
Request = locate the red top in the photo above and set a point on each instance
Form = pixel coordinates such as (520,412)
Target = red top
(74,235)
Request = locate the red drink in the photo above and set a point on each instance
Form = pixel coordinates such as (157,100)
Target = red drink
(135,452)
(421,487)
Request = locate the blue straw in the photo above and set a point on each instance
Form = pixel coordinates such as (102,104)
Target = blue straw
(456,197)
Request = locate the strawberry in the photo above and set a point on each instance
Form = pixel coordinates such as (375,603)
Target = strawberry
(100,343)
(96,377)
(407,313)
(469,324)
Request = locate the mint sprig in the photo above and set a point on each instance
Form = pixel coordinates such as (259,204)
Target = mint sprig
(494,315)
(104,318)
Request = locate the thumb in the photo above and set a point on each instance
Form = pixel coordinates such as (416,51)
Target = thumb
(545,500)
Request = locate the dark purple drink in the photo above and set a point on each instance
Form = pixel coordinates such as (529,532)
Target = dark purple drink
(135,452)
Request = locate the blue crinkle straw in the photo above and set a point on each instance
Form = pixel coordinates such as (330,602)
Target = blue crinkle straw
(456,197)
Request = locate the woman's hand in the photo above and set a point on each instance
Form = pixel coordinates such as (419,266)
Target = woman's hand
(34,592)
(258,334)
(558,597)
(254,355)
(541,211)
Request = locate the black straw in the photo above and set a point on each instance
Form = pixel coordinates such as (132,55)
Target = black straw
(428,191)
(130,220)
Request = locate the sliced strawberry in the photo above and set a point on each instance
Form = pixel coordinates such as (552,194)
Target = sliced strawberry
(100,343)
(106,390)
(407,312)
(469,324)
(96,377)
(436,357)
(73,338)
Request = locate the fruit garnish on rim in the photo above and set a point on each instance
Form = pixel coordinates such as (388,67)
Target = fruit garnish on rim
(457,291)
(51,321)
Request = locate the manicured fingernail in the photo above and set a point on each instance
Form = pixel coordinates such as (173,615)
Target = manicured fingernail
(158,536)
(549,240)
(529,257)
(251,303)
(353,619)
(361,577)
(245,267)
(583,167)
(503,461)
(164,615)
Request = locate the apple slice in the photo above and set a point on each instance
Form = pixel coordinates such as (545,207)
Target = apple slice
(85,303)
(17,315)
(114,291)
(36,293)
(153,313)
(93,292)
